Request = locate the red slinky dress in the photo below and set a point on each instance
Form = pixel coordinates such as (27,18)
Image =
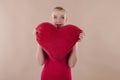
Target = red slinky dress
(56,70)
(57,47)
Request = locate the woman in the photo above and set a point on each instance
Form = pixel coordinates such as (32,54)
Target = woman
(57,70)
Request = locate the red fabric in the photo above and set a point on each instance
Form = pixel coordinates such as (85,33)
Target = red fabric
(57,43)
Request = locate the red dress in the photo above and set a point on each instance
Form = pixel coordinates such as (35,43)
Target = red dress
(56,70)
(57,46)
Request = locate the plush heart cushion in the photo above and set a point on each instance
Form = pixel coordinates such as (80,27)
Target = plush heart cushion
(57,42)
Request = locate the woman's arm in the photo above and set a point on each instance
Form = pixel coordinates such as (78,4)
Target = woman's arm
(39,55)
(72,59)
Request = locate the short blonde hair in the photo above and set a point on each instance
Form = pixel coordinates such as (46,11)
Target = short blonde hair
(59,8)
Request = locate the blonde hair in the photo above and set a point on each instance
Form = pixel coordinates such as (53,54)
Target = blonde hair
(59,8)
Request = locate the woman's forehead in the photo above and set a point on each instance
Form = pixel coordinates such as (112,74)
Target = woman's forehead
(56,13)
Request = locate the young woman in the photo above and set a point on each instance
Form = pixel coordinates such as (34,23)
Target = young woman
(57,70)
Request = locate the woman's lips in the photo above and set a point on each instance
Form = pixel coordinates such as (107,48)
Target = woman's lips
(58,25)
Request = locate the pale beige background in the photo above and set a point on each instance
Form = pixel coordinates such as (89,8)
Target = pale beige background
(98,54)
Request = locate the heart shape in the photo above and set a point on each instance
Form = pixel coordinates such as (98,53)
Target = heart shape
(57,42)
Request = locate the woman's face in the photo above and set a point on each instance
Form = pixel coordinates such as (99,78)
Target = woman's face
(59,18)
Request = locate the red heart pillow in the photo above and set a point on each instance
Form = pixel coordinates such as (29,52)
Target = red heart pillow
(57,42)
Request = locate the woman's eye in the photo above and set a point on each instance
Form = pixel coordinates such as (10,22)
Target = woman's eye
(55,17)
(62,17)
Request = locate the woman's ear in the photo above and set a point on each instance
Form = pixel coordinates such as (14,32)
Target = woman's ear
(66,20)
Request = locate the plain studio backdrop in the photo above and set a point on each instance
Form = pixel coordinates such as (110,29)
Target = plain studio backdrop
(98,53)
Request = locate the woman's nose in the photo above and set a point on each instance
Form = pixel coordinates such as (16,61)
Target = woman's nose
(58,21)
